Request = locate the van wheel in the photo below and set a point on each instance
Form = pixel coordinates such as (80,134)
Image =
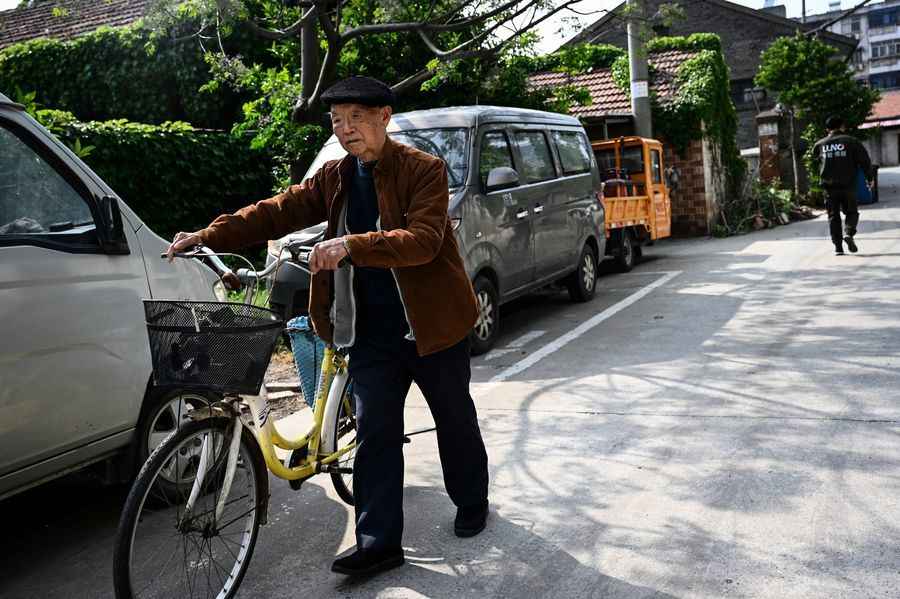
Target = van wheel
(484,335)
(582,283)
(165,413)
(625,257)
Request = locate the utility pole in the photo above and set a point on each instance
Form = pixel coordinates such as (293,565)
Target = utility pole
(640,79)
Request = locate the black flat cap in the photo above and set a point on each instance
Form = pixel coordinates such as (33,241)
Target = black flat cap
(359,90)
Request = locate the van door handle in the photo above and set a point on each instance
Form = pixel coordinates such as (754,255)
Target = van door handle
(538,209)
(522,214)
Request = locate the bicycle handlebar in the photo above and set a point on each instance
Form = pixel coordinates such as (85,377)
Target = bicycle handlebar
(296,253)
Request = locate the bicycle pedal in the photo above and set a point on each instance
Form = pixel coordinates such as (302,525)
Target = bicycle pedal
(297,457)
(338,470)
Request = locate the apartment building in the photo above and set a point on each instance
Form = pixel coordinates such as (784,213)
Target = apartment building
(877,27)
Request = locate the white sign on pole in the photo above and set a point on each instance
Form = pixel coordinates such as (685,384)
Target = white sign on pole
(639,89)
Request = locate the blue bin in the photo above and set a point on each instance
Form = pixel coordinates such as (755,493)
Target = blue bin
(308,351)
(863,193)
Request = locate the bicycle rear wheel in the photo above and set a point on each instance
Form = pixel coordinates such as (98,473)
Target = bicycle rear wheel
(162,551)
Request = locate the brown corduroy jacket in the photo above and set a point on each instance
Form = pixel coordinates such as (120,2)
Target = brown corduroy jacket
(416,240)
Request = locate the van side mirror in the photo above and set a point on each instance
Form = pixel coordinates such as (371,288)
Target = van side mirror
(501,177)
(109,228)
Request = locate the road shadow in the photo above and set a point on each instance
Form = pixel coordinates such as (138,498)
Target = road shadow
(511,558)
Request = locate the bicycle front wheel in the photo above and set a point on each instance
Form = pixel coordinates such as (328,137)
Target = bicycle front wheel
(164,550)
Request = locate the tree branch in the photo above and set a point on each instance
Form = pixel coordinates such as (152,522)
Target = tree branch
(412,26)
(840,17)
(280,34)
(302,108)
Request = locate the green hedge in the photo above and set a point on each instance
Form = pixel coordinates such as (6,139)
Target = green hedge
(175,177)
(117,73)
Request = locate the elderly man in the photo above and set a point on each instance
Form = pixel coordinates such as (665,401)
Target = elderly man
(404,307)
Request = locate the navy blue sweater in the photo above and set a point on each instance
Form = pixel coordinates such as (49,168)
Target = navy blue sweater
(379,308)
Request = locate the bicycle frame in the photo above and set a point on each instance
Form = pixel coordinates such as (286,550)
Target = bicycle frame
(334,366)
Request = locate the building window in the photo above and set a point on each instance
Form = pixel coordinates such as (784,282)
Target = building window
(855,25)
(889,80)
(886,49)
(882,18)
(749,93)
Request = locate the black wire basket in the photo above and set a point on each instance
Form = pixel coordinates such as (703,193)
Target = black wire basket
(211,346)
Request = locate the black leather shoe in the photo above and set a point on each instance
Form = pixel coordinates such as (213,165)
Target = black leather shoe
(851,245)
(838,249)
(367,562)
(470,520)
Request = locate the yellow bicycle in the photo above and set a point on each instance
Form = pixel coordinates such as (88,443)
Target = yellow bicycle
(192,517)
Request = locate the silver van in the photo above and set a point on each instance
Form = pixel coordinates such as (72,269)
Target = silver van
(75,263)
(524,202)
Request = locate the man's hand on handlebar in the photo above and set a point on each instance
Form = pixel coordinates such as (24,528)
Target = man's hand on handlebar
(328,255)
(183,241)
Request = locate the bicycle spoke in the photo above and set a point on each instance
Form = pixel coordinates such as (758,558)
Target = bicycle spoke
(230,522)
(222,583)
(213,509)
(208,543)
(228,549)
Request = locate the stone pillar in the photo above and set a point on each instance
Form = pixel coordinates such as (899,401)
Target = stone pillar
(769,130)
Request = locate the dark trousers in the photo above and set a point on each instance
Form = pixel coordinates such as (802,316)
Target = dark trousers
(837,200)
(382,374)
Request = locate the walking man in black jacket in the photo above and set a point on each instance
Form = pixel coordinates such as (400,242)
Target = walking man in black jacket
(840,157)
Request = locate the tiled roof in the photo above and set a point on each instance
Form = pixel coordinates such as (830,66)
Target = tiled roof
(607,98)
(66,19)
(888,107)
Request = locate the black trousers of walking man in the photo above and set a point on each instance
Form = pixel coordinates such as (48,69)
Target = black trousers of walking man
(382,371)
(837,201)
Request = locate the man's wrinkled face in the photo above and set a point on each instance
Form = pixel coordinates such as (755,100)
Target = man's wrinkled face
(360,129)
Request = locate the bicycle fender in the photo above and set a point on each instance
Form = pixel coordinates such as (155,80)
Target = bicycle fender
(332,405)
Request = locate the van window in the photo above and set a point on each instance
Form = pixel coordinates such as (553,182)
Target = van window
(656,166)
(494,153)
(450,145)
(574,152)
(34,197)
(537,162)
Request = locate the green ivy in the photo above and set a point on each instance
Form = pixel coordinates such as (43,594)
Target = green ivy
(702,104)
(175,177)
(119,73)
(692,43)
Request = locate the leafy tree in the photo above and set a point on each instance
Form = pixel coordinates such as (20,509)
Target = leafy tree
(809,76)
(434,53)
(811,81)
(418,39)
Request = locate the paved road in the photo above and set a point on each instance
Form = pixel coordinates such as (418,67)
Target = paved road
(722,422)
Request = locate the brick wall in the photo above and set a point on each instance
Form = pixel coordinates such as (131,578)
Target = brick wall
(695,204)
(689,202)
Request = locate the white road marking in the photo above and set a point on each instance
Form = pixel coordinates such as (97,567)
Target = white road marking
(515,345)
(581,329)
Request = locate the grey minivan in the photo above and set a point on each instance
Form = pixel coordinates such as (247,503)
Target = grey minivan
(75,263)
(524,202)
